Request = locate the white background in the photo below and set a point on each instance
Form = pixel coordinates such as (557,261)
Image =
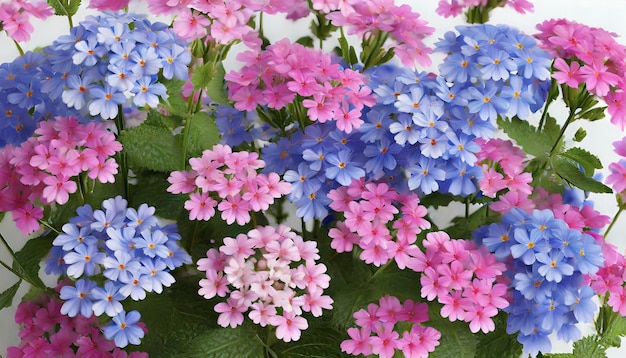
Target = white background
(609,14)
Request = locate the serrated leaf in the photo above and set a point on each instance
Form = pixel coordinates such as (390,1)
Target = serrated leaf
(456,338)
(6,297)
(241,341)
(203,133)
(202,75)
(64,7)
(463,227)
(526,135)
(151,189)
(27,260)
(215,88)
(437,199)
(568,170)
(151,147)
(588,161)
(588,347)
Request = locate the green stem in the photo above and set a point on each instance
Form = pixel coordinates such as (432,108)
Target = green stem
(608,229)
(381,269)
(12,253)
(2,263)
(571,116)
(19,48)
(122,160)
(49,226)
(70,21)
(544,114)
(194,236)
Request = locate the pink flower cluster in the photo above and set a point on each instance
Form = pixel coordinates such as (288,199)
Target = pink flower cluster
(284,70)
(368,209)
(230,177)
(503,168)
(366,18)
(448,8)
(617,178)
(611,279)
(462,277)
(270,271)
(376,334)
(43,169)
(46,332)
(591,56)
(15,16)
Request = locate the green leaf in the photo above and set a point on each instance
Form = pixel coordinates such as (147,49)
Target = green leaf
(306,41)
(588,161)
(64,7)
(580,135)
(456,338)
(526,135)
(202,75)
(569,171)
(203,133)
(241,341)
(319,340)
(588,347)
(27,260)
(215,89)
(437,199)
(6,297)
(151,189)
(463,227)
(593,114)
(152,147)
(498,343)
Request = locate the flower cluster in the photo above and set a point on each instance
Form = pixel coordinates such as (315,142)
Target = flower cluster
(377,330)
(503,169)
(270,271)
(129,248)
(546,261)
(496,70)
(15,16)
(464,278)
(44,169)
(373,18)
(233,178)
(590,56)
(111,57)
(285,71)
(617,178)
(369,209)
(47,332)
(610,279)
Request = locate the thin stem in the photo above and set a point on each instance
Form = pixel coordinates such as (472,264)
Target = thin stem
(70,21)
(123,161)
(544,114)
(49,226)
(2,263)
(572,113)
(19,48)
(608,229)
(381,269)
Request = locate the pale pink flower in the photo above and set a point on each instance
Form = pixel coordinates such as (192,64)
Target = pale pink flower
(231,313)
(200,206)
(288,326)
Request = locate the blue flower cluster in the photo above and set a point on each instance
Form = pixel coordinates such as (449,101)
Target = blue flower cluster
(496,70)
(24,100)
(127,246)
(546,263)
(110,57)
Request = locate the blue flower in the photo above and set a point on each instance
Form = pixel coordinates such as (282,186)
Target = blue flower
(553,265)
(405,130)
(302,181)
(121,266)
(78,298)
(376,124)
(141,219)
(463,178)
(528,245)
(155,275)
(152,242)
(124,329)
(342,168)
(519,97)
(588,259)
(382,156)
(105,101)
(147,91)
(73,236)
(83,260)
(496,65)
(107,300)
(485,101)
(425,175)
(313,204)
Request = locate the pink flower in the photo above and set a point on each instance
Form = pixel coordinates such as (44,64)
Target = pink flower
(288,326)
(359,342)
(617,178)
(568,74)
(261,313)
(480,318)
(104,172)
(598,79)
(191,25)
(58,189)
(27,218)
(231,313)
(181,182)
(112,5)
(385,343)
(617,300)
(200,206)
(233,209)
(215,284)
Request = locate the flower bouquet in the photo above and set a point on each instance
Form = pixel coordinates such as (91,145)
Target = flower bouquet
(191,187)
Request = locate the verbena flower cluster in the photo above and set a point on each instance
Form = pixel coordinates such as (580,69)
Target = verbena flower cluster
(590,56)
(270,272)
(111,58)
(230,177)
(46,332)
(129,248)
(547,262)
(378,330)
(371,211)
(464,277)
(47,167)
(16,17)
